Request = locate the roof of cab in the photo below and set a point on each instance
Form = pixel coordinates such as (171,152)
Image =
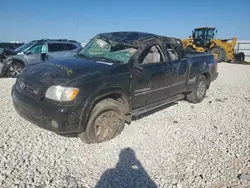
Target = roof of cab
(207,27)
(134,37)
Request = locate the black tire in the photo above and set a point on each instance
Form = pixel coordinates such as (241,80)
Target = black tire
(241,56)
(199,91)
(219,54)
(14,69)
(90,135)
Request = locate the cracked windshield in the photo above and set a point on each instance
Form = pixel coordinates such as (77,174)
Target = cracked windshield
(108,50)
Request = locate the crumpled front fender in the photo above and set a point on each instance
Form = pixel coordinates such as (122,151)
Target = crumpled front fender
(4,66)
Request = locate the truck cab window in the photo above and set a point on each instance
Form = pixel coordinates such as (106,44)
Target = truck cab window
(172,52)
(152,55)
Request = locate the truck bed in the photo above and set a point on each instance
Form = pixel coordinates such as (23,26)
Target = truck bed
(197,54)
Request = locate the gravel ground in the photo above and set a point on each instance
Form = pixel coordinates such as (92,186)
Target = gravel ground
(184,145)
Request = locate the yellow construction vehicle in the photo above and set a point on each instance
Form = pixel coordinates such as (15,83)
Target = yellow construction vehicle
(203,40)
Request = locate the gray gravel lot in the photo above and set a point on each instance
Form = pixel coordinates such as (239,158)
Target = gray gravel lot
(184,145)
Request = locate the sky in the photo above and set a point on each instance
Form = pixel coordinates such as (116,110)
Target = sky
(26,20)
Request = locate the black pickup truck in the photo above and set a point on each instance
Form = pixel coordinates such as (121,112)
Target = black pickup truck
(116,76)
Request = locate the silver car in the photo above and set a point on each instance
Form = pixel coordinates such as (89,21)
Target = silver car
(31,53)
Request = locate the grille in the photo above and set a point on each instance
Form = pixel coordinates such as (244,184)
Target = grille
(28,88)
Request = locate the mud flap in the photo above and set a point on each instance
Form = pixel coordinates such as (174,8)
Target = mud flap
(191,83)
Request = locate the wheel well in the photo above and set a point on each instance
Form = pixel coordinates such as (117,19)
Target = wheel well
(208,77)
(122,100)
(18,61)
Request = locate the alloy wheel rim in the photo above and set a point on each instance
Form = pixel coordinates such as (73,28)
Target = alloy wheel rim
(107,124)
(216,55)
(201,89)
(15,70)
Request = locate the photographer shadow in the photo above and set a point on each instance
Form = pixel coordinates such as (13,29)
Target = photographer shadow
(128,173)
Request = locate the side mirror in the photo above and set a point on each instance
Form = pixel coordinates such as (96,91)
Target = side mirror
(28,52)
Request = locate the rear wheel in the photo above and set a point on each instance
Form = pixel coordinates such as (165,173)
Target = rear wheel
(219,54)
(241,56)
(106,121)
(199,91)
(14,69)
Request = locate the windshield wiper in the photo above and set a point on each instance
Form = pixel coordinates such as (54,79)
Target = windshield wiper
(99,58)
(84,56)
(107,59)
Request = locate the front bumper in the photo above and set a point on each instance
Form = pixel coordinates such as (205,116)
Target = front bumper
(52,117)
(4,67)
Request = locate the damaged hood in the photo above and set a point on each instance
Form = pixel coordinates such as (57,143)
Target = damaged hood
(7,52)
(62,71)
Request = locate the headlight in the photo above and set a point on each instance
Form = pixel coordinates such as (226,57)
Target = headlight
(60,93)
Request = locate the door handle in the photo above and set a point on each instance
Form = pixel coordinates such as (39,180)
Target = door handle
(139,68)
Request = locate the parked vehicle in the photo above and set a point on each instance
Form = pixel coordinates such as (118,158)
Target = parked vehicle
(4,57)
(11,45)
(30,53)
(114,77)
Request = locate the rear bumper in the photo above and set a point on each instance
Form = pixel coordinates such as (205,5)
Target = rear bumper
(48,116)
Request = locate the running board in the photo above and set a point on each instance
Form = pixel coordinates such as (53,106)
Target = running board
(139,111)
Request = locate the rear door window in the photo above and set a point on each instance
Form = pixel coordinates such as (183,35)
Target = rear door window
(69,47)
(152,55)
(55,47)
(173,53)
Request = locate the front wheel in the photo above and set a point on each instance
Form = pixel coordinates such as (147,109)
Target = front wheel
(199,91)
(219,54)
(106,121)
(14,69)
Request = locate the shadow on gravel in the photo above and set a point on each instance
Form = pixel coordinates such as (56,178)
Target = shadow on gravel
(69,135)
(128,173)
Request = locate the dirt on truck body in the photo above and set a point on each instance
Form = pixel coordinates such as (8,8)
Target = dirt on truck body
(115,76)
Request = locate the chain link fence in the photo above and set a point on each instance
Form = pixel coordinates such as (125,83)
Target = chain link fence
(243,46)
